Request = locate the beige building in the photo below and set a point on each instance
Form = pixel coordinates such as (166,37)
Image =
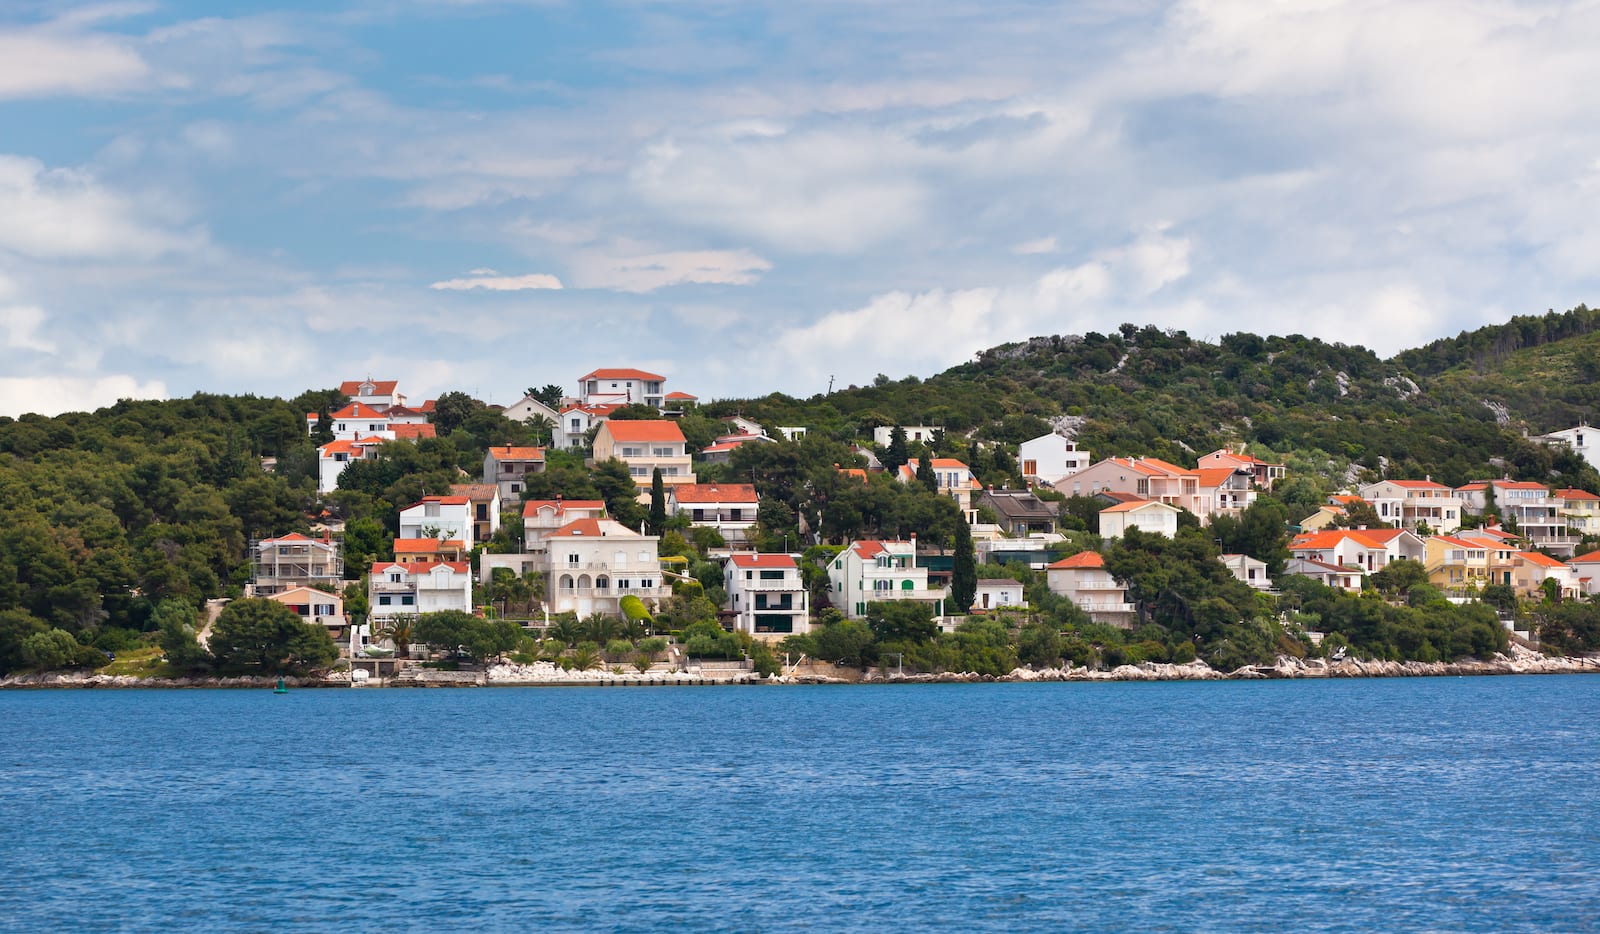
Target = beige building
(646,446)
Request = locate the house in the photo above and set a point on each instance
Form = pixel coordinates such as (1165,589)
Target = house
(1586,568)
(1263,473)
(854,473)
(1145,477)
(1338,576)
(317,607)
(1326,516)
(541,517)
(1368,549)
(646,446)
(791,432)
(1533,569)
(866,571)
(1248,570)
(376,392)
(998,593)
(1582,441)
(1501,549)
(397,590)
(1411,504)
(915,434)
(1224,491)
(744,426)
(1581,509)
(294,560)
(767,595)
(589,565)
(355,420)
(335,456)
(721,451)
(1051,457)
(439,517)
(508,467)
(730,508)
(953,478)
(483,500)
(1020,512)
(622,387)
(1537,514)
(421,552)
(1144,515)
(678,401)
(1083,579)
(1457,564)
(528,408)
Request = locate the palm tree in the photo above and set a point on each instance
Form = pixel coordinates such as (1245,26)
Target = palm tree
(585,659)
(399,631)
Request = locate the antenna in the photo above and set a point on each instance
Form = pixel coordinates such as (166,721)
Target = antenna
(830,384)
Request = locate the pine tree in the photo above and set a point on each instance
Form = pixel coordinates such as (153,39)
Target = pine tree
(658,503)
(925,474)
(898,453)
(964,575)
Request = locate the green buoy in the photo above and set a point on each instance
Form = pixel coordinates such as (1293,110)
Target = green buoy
(281,688)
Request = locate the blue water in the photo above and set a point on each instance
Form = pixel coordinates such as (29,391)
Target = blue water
(1437,804)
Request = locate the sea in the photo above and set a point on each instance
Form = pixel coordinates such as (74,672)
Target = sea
(1424,804)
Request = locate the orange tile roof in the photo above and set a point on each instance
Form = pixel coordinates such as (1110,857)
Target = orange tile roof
(746,560)
(714,493)
(1083,559)
(506,452)
(1576,494)
(1330,538)
(1136,505)
(684,396)
(1214,476)
(1164,466)
(381,387)
(870,548)
(1418,485)
(475,491)
(1349,499)
(1534,557)
(441,500)
(1592,557)
(1520,485)
(648,430)
(421,546)
(412,432)
(620,374)
(1452,540)
(358,410)
(854,472)
(580,528)
(1472,487)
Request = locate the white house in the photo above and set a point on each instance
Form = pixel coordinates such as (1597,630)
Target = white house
(995,593)
(915,434)
(1538,515)
(791,432)
(369,391)
(589,565)
(767,595)
(646,446)
(1144,515)
(317,607)
(293,561)
(1337,576)
(441,517)
(1413,503)
(335,456)
(866,571)
(574,422)
(1367,549)
(1582,440)
(1248,570)
(1083,579)
(1264,474)
(622,387)
(1051,457)
(953,478)
(528,408)
(730,508)
(1586,569)
(396,589)
(1533,569)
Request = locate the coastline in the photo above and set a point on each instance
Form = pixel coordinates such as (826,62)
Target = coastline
(1520,662)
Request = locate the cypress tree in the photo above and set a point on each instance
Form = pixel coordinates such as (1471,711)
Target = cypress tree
(897,452)
(964,576)
(658,503)
(925,474)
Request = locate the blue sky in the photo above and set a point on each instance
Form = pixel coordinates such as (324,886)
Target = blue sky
(751,196)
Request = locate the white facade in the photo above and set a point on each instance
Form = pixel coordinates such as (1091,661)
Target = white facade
(317,607)
(866,571)
(1248,570)
(528,408)
(730,508)
(334,457)
(1051,457)
(440,517)
(1146,516)
(622,387)
(396,590)
(995,593)
(915,434)
(767,595)
(1583,440)
(1411,503)
(1083,579)
(1369,550)
(589,565)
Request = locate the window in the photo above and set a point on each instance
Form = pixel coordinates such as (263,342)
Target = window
(572,560)
(407,599)
(516,488)
(621,557)
(663,452)
(384,599)
(736,515)
(577,426)
(431,510)
(907,585)
(699,515)
(769,575)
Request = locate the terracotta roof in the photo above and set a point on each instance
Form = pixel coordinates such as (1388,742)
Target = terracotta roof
(381,387)
(648,430)
(714,493)
(441,500)
(381,566)
(684,396)
(1418,484)
(1133,463)
(596,410)
(1137,505)
(346,446)
(460,567)
(762,561)
(1343,569)
(424,546)
(620,374)
(1472,487)
(1083,559)
(1330,538)
(593,528)
(1520,485)
(562,505)
(728,444)
(507,452)
(1544,561)
(1164,466)
(291,537)
(1214,476)
(475,491)
(1575,494)
(871,548)
(1452,540)
(854,472)
(1348,499)
(411,432)
(1592,557)
(1119,497)
(358,410)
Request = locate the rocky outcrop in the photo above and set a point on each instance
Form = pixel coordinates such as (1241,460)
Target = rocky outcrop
(84,679)
(549,673)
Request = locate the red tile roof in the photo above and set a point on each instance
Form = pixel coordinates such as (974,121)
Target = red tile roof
(358,410)
(412,432)
(648,430)
(441,500)
(714,493)
(475,491)
(422,546)
(381,387)
(1214,476)
(762,561)
(1418,485)
(506,452)
(1330,538)
(1083,559)
(620,374)
(1592,557)
(1544,561)
(1137,505)
(532,506)
(682,396)
(1575,494)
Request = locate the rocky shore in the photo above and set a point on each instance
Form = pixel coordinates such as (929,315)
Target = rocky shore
(1520,661)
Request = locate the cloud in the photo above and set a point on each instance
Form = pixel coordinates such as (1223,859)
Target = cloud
(59,60)
(68,214)
(495,283)
(52,395)
(1035,247)
(20,325)
(651,271)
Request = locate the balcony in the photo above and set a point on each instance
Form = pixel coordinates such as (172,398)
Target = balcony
(386,586)
(770,586)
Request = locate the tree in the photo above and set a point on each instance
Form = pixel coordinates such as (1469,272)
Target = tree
(925,475)
(459,631)
(551,395)
(451,410)
(964,576)
(616,486)
(901,620)
(48,651)
(177,622)
(261,636)
(658,503)
(898,452)
(1399,576)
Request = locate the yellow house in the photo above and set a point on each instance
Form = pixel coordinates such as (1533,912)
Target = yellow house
(1455,564)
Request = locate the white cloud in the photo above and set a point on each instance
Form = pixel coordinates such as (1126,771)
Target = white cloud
(67,213)
(20,325)
(52,395)
(1035,247)
(55,59)
(650,271)
(495,283)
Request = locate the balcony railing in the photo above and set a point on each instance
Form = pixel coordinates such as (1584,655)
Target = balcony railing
(770,586)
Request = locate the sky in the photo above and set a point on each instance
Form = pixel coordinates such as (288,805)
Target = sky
(751,196)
